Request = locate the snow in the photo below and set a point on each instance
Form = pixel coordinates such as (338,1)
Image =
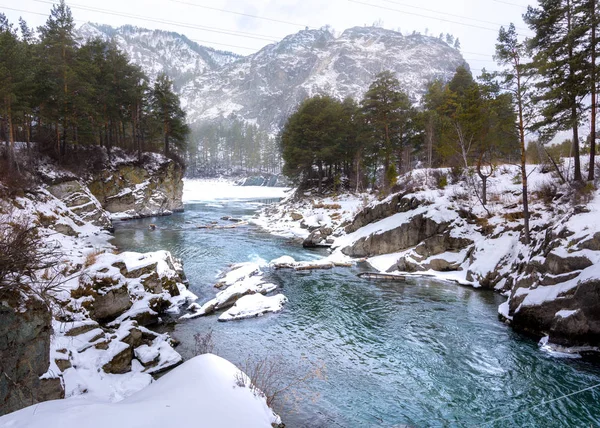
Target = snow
(566,314)
(207,384)
(244,280)
(254,305)
(219,190)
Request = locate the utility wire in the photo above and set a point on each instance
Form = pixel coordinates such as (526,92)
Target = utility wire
(446,13)
(495,30)
(511,4)
(241,13)
(543,403)
(163,21)
(84,21)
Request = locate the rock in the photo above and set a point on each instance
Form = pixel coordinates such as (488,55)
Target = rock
(439,244)
(581,328)
(558,265)
(82,329)
(296,216)
(134,338)
(313,240)
(442,265)
(25,350)
(154,187)
(407,235)
(64,229)
(78,198)
(63,364)
(592,243)
(120,362)
(108,306)
(145,318)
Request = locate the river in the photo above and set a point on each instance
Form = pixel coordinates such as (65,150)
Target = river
(420,353)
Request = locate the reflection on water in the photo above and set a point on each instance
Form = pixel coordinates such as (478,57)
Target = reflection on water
(420,353)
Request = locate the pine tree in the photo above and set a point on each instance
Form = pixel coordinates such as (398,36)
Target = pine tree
(510,53)
(559,61)
(57,61)
(12,78)
(166,109)
(387,111)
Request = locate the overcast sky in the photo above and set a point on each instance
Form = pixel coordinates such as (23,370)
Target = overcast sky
(246,26)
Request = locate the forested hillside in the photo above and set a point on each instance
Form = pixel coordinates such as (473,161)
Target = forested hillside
(59,94)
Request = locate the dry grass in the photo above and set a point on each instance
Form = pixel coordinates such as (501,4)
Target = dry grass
(92,257)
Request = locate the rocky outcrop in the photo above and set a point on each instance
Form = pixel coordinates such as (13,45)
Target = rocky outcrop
(319,238)
(78,198)
(409,234)
(135,190)
(394,204)
(557,293)
(267,180)
(25,332)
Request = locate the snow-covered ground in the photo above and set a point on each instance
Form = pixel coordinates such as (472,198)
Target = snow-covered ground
(222,189)
(204,391)
(293,218)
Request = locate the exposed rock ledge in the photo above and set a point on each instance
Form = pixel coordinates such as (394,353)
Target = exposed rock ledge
(121,188)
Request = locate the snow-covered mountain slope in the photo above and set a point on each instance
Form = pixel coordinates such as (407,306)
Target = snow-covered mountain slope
(157,51)
(267,86)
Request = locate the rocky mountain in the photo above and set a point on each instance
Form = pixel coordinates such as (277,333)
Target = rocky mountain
(265,87)
(159,51)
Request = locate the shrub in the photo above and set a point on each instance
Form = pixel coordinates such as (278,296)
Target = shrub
(583,192)
(204,343)
(457,174)
(440,178)
(547,192)
(25,260)
(266,377)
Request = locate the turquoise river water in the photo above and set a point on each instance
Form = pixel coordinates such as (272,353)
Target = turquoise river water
(420,353)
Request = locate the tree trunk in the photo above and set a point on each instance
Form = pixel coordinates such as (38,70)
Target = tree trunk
(526,233)
(573,100)
(592,165)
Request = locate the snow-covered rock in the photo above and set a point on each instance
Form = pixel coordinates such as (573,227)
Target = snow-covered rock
(207,384)
(254,305)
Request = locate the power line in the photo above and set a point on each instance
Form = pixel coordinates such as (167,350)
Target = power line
(84,21)
(511,4)
(162,21)
(445,13)
(426,16)
(240,13)
(543,403)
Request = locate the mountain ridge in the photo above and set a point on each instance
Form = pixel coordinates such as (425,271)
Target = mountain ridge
(264,88)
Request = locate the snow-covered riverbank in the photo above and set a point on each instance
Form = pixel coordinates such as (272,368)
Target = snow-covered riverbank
(443,231)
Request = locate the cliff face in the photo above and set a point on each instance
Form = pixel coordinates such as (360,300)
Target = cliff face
(134,190)
(25,332)
(122,187)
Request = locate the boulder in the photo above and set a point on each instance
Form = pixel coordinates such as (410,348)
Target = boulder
(120,362)
(572,319)
(109,305)
(296,216)
(154,187)
(558,265)
(409,234)
(80,200)
(25,350)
